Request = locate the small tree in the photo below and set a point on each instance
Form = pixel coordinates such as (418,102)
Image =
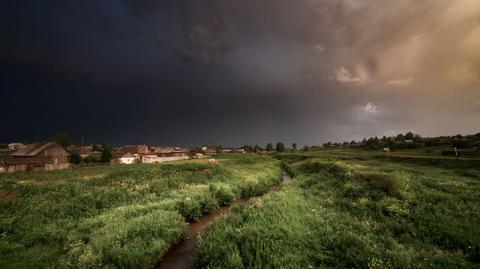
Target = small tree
(294,146)
(257,148)
(96,147)
(306,148)
(409,136)
(75,158)
(269,147)
(280,147)
(62,139)
(106,155)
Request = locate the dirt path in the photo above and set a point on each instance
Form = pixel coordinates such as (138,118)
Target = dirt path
(180,256)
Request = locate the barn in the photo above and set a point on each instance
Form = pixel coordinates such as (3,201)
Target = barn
(44,156)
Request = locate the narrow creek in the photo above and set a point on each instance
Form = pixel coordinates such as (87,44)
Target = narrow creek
(180,256)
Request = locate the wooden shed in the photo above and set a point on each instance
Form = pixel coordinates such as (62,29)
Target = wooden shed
(37,157)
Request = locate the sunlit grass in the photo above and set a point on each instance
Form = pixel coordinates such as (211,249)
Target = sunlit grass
(122,216)
(355,211)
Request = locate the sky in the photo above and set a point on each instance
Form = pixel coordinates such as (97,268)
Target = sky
(189,72)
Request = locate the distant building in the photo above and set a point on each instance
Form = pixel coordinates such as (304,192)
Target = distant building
(233,150)
(166,154)
(170,151)
(15,146)
(36,157)
(210,152)
(123,158)
(135,150)
(85,151)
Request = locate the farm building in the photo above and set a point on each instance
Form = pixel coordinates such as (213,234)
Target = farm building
(37,157)
(168,154)
(210,152)
(233,150)
(135,150)
(123,158)
(85,151)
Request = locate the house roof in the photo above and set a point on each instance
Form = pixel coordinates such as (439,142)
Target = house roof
(32,150)
(134,149)
(117,155)
(165,150)
(86,150)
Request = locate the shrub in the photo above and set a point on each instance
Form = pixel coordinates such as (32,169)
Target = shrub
(313,167)
(389,184)
(342,170)
(223,194)
(190,208)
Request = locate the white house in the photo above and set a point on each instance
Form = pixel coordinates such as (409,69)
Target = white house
(123,158)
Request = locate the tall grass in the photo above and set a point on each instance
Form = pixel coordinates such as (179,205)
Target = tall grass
(120,216)
(347,212)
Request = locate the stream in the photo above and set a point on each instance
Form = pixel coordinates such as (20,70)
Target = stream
(180,256)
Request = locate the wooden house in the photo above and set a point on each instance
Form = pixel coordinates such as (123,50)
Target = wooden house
(37,157)
(168,154)
(135,150)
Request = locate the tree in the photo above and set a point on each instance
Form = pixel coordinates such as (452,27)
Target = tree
(75,158)
(306,148)
(96,147)
(257,148)
(62,139)
(409,136)
(106,155)
(280,147)
(294,146)
(269,147)
(248,148)
(3,146)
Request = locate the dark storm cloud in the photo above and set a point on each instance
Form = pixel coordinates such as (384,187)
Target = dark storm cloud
(233,72)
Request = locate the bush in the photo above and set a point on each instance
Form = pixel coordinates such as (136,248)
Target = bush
(223,194)
(389,184)
(75,158)
(342,170)
(313,167)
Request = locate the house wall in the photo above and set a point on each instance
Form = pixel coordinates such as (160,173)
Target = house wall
(164,159)
(127,160)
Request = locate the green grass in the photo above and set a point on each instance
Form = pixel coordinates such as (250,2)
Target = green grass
(355,209)
(120,216)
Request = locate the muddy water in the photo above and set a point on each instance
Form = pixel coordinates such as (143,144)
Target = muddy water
(180,256)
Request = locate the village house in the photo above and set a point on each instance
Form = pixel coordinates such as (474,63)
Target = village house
(36,157)
(123,158)
(210,152)
(151,158)
(136,150)
(166,154)
(233,150)
(85,151)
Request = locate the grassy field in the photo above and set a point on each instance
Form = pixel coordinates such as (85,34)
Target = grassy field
(355,209)
(120,216)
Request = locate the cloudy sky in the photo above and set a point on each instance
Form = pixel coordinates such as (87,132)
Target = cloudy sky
(236,72)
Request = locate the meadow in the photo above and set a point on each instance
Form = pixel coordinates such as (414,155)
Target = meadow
(118,216)
(355,209)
